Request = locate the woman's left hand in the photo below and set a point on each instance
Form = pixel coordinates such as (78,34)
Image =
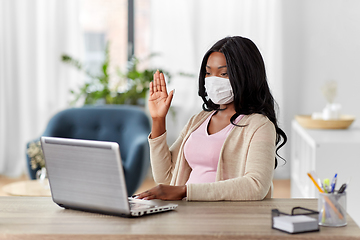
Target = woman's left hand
(164,192)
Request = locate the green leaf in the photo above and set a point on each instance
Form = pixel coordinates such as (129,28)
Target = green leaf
(98,88)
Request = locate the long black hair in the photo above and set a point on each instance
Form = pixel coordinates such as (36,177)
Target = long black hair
(247,75)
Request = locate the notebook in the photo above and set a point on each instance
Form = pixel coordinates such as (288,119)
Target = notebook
(295,223)
(88,175)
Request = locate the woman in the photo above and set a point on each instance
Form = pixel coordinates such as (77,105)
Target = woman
(228,151)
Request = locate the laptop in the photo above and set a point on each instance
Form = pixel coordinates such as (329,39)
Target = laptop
(88,175)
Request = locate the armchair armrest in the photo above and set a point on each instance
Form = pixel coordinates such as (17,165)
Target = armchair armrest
(137,163)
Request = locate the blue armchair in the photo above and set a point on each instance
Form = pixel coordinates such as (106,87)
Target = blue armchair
(126,125)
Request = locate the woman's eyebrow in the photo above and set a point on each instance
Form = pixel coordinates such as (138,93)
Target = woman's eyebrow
(218,67)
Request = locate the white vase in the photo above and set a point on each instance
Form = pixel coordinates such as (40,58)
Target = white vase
(41,174)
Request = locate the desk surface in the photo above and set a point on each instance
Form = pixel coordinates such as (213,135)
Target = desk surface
(40,218)
(29,188)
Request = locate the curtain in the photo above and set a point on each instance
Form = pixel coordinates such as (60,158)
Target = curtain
(34,83)
(182,31)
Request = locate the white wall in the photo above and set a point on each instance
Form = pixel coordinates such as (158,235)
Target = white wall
(321,42)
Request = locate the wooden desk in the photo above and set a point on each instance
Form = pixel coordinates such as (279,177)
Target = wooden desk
(30,188)
(40,218)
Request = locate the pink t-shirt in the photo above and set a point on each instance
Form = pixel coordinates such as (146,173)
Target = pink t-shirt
(202,151)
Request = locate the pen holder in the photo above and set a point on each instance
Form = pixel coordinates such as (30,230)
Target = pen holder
(332,209)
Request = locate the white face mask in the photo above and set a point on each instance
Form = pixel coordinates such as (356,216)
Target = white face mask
(219,90)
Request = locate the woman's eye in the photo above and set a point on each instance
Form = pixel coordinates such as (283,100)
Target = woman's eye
(207,73)
(224,74)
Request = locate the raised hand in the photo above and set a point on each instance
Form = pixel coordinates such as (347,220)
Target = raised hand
(159,100)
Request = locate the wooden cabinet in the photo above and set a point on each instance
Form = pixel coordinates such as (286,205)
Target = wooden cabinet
(327,152)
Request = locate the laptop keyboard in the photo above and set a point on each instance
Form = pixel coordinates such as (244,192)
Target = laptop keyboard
(139,207)
(136,204)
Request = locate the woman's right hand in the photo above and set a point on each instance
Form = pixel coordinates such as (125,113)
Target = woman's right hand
(159,100)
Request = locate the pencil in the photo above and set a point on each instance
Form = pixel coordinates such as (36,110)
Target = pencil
(325,197)
(316,185)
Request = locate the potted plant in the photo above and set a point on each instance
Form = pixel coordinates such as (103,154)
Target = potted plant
(128,88)
(36,160)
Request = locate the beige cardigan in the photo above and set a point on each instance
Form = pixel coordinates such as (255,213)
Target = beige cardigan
(245,168)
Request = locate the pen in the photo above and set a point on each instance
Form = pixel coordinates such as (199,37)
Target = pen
(326,198)
(323,214)
(342,188)
(326,185)
(333,183)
